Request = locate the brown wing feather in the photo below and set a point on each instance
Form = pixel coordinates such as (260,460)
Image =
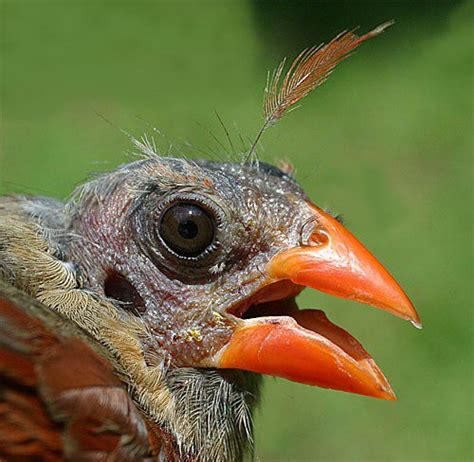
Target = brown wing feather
(58,398)
(26,428)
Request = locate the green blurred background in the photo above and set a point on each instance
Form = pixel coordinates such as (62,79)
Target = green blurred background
(387,141)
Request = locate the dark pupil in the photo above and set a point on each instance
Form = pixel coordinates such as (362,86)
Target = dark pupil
(187,229)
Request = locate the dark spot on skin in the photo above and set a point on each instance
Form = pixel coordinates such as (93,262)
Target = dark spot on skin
(117,287)
(275,171)
(2,247)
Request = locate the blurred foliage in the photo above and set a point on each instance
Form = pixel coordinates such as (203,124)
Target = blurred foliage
(387,141)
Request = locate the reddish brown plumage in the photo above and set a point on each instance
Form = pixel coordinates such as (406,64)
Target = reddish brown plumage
(26,428)
(58,397)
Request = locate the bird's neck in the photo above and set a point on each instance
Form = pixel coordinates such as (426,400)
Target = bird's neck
(213,413)
(203,414)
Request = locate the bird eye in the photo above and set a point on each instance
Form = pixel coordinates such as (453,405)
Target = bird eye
(187,229)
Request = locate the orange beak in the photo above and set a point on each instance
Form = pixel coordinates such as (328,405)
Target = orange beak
(305,346)
(335,262)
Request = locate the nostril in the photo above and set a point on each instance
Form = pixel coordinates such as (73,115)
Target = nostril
(119,288)
(318,237)
(313,233)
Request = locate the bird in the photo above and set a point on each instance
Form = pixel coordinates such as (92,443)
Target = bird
(138,317)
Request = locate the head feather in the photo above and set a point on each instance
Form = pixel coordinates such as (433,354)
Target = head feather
(308,71)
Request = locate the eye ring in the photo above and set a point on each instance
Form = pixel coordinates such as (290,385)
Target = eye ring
(187,229)
(146,216)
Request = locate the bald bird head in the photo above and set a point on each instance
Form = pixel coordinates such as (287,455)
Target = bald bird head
(210,256)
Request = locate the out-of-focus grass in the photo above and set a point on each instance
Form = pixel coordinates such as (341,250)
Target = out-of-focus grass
(387,141)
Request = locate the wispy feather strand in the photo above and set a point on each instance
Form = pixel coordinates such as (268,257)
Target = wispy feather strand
(308,71)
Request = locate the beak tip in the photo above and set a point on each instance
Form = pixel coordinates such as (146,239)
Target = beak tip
(391,396)
(413,316)
(416,323)
(404,308)
(386,393)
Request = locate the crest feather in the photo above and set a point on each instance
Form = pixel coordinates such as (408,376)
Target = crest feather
(308,71)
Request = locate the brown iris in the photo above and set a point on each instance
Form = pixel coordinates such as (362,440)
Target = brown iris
(187,229)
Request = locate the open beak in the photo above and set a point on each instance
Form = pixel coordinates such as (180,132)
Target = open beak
(304,346)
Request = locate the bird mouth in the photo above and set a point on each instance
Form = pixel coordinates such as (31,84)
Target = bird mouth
(272,336)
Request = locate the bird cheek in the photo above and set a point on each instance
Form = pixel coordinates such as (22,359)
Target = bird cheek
(188,335)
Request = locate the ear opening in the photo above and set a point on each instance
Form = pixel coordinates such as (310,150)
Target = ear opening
(120,289)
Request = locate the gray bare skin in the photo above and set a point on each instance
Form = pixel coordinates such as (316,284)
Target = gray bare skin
(101,262)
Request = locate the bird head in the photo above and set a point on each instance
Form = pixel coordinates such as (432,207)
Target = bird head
(183,274)
(210,256)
